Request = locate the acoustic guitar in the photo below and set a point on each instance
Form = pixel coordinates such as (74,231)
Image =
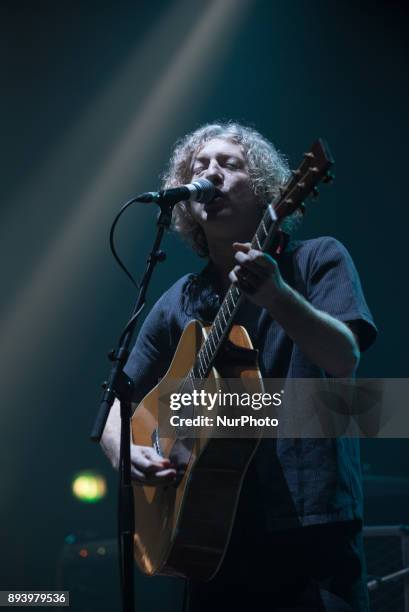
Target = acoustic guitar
(183,529)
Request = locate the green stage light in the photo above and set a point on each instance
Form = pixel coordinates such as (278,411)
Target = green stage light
(89,487)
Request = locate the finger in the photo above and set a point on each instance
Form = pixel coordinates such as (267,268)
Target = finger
(151,454)
(164,474)
(242,246)
(238,276)
(233,277)
(263,259)
(137,475)
(242,285)
(142,476)
(246,282)
(146,466)
(263,263)
(247,274)
(267,261)
(251,267)
(162,477)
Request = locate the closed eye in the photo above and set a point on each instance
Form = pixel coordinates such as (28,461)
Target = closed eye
(198,169)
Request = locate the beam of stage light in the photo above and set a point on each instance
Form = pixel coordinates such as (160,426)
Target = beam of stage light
(99,127)
(38,311)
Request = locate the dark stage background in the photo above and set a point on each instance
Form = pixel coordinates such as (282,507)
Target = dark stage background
(93,96)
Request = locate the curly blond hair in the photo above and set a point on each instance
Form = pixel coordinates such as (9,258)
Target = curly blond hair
(268,170)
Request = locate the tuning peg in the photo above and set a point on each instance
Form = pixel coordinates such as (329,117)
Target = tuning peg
(302,208)
(328,178)
(315,192)
(309,155)
(296,173)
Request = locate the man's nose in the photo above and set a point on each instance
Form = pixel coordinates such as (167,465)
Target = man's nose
(214,173)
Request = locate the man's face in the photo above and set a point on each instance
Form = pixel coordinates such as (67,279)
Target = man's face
(235,213)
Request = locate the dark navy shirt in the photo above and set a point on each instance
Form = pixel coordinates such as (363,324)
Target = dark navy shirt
(289,482)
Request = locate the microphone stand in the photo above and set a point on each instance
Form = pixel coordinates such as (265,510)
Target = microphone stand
(120,386)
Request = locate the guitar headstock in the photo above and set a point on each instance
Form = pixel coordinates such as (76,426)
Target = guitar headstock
(313,169)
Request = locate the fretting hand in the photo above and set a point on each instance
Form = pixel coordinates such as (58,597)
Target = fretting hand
(257,275)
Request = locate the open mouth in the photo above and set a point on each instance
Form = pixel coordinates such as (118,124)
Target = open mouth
(218,197)
(217,201)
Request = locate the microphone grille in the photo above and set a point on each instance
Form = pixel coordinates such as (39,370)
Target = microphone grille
(205,190)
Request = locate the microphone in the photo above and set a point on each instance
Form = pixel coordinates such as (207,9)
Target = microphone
(201,190)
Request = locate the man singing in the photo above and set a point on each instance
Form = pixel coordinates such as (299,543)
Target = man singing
(296,542)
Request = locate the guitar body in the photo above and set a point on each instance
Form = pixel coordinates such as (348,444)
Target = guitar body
(184,529)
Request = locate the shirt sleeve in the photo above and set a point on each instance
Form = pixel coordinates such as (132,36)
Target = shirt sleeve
(333,286)
(151,354)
